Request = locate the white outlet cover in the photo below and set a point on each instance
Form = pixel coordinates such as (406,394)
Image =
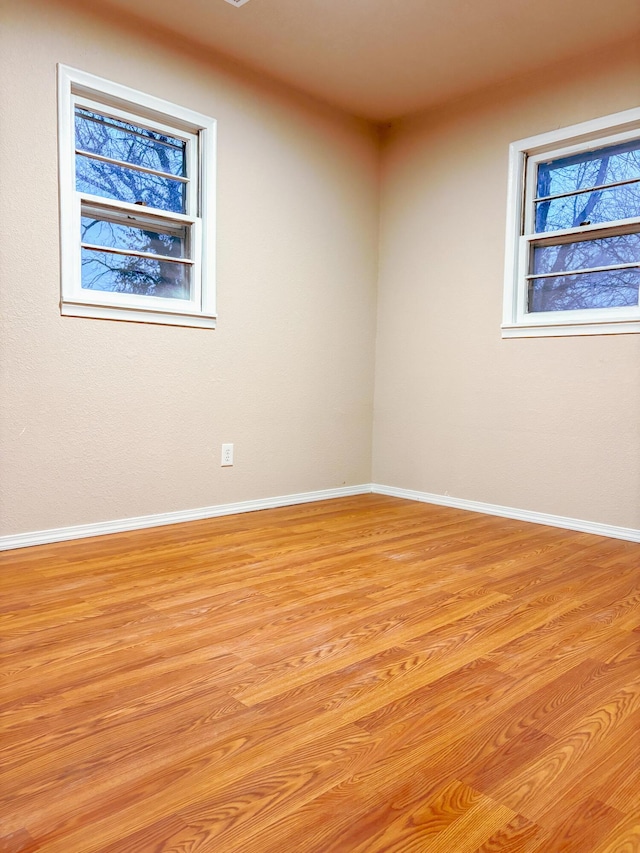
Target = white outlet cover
(237,2)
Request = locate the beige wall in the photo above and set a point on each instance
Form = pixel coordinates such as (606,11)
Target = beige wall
(550,425)
(103,420)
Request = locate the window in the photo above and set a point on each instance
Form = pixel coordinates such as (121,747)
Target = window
(136,205)
(573,230)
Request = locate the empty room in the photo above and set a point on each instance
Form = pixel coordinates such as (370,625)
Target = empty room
(320,426)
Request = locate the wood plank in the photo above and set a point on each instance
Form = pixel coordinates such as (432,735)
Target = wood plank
(518,836)
(456,818)
(355,676)
(582,828)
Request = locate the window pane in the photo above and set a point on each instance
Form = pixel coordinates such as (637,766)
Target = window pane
(129,274)
(122,141)
(610,289)
(122,184)
(591,169)
(604,252)
(101,232)
(601,206)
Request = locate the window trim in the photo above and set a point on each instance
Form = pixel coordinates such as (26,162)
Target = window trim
(516,321)
(199,131)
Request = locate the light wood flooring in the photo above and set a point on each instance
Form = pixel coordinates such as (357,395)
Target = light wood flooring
(353,676)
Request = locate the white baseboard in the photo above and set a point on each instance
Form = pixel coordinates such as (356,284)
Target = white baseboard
(628,533)
(82,531)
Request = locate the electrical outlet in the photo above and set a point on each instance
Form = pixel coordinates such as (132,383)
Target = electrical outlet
(227,455)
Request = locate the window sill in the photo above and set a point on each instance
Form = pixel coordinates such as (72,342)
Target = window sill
(133,315)
(546,330)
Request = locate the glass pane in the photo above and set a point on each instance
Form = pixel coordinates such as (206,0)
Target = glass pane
(601,206)
(122,141)
(122,184)
(590,169)
(129,274)
(606,251)
(610,289)
(101,232)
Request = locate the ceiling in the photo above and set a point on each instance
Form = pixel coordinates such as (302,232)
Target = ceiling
(381,59)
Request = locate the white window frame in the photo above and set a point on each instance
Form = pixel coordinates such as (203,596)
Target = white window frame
(521,237)
(79,88)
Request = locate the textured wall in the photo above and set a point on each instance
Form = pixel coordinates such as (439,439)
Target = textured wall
(551,424)
(103,420)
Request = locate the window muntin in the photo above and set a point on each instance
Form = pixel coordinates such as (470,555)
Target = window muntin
(118,273)
(575,221)
(111,180)
(608,204)
(138,189)
(584,290)
(587,254)
(99,229)
(135,256)
(121,141)
(613,164)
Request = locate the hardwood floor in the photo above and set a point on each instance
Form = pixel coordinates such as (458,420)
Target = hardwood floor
(355,676)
